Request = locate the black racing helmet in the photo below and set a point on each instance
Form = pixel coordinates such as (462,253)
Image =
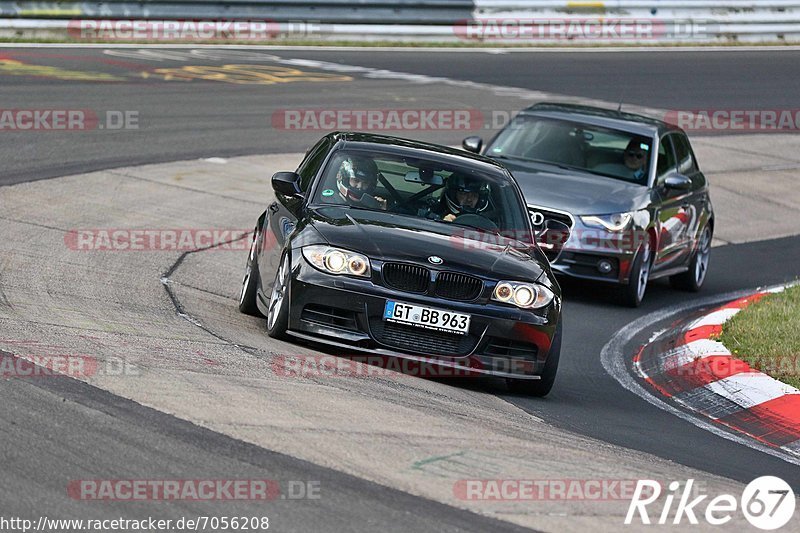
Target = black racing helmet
(362,168)
(460,183)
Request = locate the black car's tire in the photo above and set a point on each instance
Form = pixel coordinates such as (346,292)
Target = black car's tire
(247,296)
(541,387)
(632,294)
(692,280)
(278,316)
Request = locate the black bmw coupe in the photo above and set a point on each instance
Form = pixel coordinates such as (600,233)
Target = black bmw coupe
(404,249)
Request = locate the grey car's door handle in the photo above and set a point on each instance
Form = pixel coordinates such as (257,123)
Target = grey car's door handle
(273,208)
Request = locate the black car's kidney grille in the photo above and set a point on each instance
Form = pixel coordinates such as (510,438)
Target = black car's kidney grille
(549,215)
(456,286)
(404,277)
(419,340)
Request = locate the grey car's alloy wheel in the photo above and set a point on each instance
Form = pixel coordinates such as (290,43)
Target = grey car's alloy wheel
(278,315)
(693,279)
(633,293)
(247,296)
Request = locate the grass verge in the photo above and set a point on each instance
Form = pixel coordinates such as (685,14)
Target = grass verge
(766,335)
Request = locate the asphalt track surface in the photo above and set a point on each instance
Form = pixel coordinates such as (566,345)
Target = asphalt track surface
(178,121)
(95,429)
(182,120)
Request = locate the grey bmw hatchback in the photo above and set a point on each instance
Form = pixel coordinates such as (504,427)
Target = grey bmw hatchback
(628,186)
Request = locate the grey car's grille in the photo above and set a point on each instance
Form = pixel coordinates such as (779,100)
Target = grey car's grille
(407,278)
(419,340)
(456,286)
(549,215)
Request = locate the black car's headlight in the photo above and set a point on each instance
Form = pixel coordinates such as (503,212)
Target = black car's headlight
(523,295)
(337,261)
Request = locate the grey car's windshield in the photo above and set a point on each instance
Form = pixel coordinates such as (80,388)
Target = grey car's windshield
(436,190)
(570,145)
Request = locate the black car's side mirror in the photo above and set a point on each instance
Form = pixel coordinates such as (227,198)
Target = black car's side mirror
(472,144)
(286,183)
(552,238)
(678,182)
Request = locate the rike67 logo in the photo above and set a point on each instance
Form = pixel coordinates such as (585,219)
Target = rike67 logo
(767,502)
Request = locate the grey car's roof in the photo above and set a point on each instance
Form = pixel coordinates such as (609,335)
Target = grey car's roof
(410,147)
(597,116)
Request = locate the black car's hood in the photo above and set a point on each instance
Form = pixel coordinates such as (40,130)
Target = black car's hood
(392,237)
(577,192)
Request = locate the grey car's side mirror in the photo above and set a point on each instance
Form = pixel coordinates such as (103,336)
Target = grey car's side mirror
(678,182)
(472,144)
(552,238)
(286,183)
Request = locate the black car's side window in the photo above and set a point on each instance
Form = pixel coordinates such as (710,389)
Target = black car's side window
(686,163)
(666,158)
(310,165)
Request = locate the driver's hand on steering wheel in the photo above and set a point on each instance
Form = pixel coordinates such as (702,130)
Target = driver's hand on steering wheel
(383,204)
(449,217)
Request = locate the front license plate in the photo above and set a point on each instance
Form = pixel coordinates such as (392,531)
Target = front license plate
(426,317)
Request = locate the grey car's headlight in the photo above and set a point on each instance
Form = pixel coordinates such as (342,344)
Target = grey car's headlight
(615,222)
(523,295)
(337,261)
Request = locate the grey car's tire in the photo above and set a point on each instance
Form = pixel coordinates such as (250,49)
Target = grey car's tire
(278,315)
(541,387)
(692,280)
(247,296)
(632,294)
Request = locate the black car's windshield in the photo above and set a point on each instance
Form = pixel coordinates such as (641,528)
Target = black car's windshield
(574,146)
(439,191)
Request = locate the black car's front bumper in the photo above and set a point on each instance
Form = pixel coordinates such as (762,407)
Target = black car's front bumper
(347,313)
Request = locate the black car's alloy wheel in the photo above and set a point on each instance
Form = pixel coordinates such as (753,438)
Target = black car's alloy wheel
(278,316)
(633,293)
(692,280)
(247,296)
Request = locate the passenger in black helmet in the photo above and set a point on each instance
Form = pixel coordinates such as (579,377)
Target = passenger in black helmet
(465,195)
(356,181)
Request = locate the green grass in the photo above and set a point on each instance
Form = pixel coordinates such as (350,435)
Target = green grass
(766,335)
